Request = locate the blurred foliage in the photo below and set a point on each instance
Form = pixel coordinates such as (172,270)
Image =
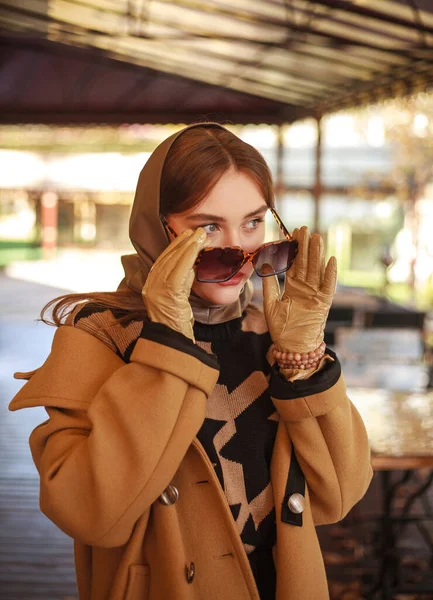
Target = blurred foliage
(405,125)
(408,127)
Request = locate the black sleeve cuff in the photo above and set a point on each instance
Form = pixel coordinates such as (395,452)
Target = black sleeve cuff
(157,332)
(281,389)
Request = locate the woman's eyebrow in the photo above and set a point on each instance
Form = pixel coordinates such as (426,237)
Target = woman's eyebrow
(206,217)
(258,211)
(218,219)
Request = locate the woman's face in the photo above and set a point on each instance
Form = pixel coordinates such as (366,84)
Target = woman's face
(232,214)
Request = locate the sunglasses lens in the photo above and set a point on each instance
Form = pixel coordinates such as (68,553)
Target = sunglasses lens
(218,264)
(279,256)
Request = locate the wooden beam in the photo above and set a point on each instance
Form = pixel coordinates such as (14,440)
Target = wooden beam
(9,116)
(346,38)
(372,13)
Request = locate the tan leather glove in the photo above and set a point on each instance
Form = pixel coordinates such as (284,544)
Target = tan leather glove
(297,319)
(168,285)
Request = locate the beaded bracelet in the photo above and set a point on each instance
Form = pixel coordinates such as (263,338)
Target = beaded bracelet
(300,360)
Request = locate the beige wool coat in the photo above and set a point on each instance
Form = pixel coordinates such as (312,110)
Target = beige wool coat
(119,434)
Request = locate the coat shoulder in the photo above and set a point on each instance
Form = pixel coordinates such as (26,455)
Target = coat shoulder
(107,325)
(76,367)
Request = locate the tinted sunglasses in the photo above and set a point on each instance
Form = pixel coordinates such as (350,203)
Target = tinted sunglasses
(216,265)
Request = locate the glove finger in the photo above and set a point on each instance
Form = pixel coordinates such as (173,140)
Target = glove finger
(168,260)
(172,247)
(183,267)
(271,288)
(315,261)
(190,279)
(301,261)
(330,278)
(322,265)
(291,272)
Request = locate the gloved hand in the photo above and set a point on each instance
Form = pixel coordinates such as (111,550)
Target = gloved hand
(297,320)
(168,286)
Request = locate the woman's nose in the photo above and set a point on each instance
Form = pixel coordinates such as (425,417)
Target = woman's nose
(231,238)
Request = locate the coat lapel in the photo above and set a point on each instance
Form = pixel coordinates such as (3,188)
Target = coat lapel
(76,368)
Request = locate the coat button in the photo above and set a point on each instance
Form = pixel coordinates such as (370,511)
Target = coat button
(190,573)
(169,496)
(296,503)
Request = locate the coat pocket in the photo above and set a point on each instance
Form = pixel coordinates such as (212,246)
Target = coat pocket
(138,583)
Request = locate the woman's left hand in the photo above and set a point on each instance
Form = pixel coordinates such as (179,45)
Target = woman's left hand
(297,319)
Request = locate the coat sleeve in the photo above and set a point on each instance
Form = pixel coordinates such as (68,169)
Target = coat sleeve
(116,432)
(329,439)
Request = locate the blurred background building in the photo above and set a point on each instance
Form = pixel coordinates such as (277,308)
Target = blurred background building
(338,97)
(66,189)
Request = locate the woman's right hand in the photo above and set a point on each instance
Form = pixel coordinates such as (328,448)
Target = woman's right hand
(168,286)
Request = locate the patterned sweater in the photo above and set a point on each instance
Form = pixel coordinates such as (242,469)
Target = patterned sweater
(241,422)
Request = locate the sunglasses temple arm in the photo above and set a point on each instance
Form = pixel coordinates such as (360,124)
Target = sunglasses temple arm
(167,226)
(281,224)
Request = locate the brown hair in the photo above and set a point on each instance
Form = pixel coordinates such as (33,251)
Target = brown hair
(195,162)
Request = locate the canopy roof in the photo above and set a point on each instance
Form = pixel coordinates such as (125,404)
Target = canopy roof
(244,61)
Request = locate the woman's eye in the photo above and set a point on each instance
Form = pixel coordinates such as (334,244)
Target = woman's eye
(210,227)
(254,223)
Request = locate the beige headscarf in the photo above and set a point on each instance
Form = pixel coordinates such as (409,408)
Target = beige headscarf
(149,237)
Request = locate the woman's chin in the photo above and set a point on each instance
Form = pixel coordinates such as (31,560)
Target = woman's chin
(218,294)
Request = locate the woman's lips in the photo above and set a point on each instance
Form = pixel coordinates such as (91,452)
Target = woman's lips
(234,280)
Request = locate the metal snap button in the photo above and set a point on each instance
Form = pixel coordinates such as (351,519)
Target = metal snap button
(190,573)
(169,496)
(296,503)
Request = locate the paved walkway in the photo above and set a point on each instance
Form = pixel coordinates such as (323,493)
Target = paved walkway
(36,558)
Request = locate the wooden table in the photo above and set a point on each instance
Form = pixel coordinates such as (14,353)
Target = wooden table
(399,425)
(400,430)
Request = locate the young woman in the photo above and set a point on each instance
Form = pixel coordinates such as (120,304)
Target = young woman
(193,442)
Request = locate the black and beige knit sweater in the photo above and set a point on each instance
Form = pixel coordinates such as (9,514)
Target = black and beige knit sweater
(241,422)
